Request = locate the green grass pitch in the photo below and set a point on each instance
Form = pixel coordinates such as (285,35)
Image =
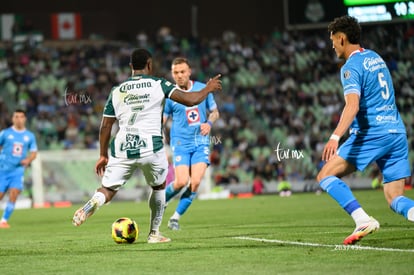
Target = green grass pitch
(268,234)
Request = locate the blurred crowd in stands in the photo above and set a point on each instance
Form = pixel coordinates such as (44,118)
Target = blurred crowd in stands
(280,90)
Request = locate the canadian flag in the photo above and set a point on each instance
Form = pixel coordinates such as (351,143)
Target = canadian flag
(66,26)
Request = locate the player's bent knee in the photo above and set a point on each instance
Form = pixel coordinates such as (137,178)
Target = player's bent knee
(179,184)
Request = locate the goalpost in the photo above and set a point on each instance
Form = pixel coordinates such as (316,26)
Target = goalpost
(68,176)
(63,175)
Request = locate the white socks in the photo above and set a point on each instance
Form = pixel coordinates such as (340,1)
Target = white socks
(156,203)
(175,216)
(410,214)
(360,216)
(100,198)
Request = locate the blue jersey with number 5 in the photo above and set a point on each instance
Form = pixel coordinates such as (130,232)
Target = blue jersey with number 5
(365,73)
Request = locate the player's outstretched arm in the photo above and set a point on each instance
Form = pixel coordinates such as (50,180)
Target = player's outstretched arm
(191,99)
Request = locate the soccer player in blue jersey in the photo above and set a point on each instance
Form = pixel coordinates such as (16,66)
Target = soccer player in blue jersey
(18,150)
(377,133)
(189,139)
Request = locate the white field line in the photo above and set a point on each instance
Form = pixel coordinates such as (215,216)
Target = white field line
(335,247)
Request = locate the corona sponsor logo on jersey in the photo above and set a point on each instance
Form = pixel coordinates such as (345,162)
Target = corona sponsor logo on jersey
(134,85)
(373,64)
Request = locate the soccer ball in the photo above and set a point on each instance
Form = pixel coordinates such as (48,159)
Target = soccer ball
(124,230)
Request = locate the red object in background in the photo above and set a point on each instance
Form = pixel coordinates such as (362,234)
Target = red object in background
(258,186)
(66,26)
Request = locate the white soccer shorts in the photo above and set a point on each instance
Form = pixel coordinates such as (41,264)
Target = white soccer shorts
(118,170)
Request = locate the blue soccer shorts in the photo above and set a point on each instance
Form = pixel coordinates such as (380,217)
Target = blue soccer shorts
(12,179)
(389,151)
(190,154)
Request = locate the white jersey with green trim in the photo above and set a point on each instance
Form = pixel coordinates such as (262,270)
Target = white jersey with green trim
(137,104)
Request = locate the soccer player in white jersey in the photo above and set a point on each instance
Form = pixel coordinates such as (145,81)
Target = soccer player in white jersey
(18,150)
(377,133)
(189,139)
(137,104)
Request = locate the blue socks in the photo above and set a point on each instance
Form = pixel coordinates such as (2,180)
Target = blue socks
(8,210)
(185,201)
(341,192)
(170,192)
(338,190)
(401,205)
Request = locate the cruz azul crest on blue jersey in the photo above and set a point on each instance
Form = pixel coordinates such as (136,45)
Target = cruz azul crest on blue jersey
(193,115)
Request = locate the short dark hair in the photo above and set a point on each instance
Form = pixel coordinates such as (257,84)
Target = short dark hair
(180,60)
(20,111)
(139,58)
(349,26)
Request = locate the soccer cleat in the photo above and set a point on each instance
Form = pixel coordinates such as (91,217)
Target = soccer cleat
(85,212)
(156,237)
(173,224)
(4,225)
(362,230)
